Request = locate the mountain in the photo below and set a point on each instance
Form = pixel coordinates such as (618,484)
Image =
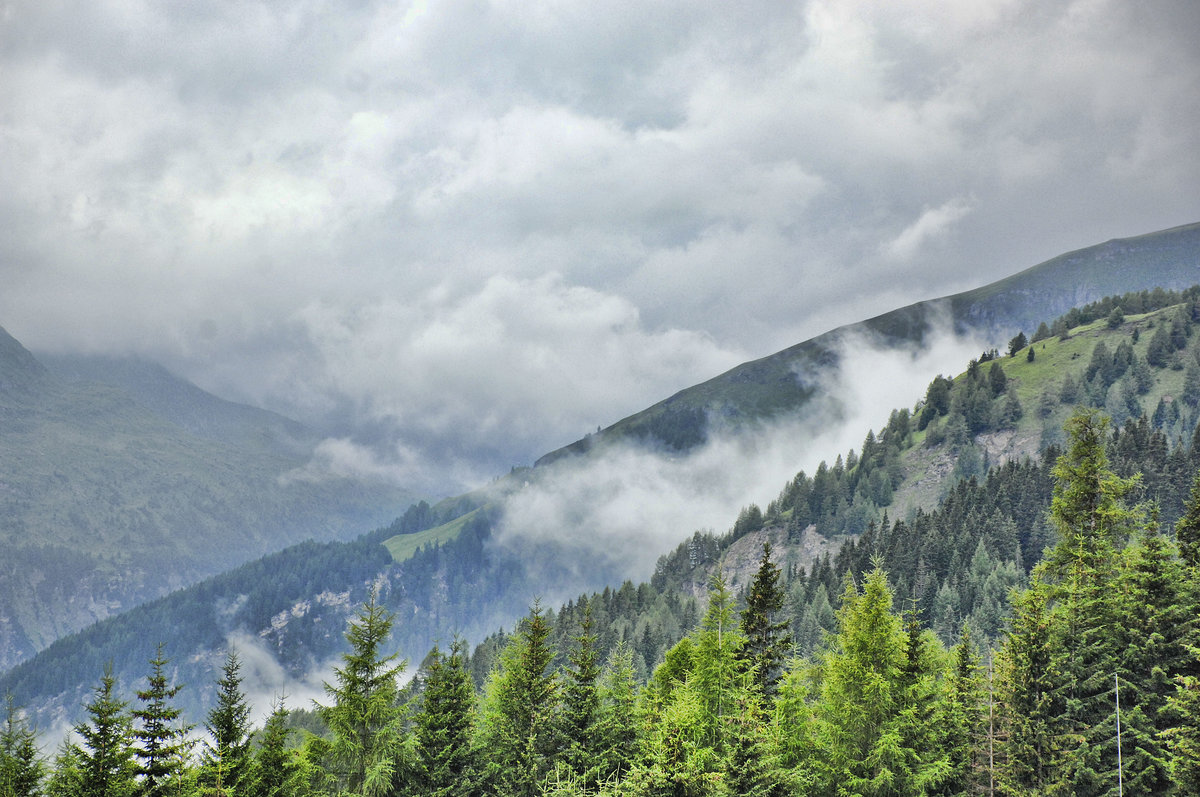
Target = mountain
(789,382)
(120,483)
(445,570)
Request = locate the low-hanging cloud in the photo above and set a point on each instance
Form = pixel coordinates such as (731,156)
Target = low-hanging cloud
(305,206)
(624,506)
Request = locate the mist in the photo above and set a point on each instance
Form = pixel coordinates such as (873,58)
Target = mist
(622,509)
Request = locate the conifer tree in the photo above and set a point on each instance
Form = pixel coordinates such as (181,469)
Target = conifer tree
(579,715)
(517,733)
(768,642)
(1028,696)
(21,770)
(444,758)
(66,778)
(617,723)
(162,741)
(227,768)
(365,718)
(106,759)
(869,702)
(1187,529)
(717,644)
(279,774)
(1092,522)
(961,718)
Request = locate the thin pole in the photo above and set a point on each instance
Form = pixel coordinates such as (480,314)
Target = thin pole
(1120,774)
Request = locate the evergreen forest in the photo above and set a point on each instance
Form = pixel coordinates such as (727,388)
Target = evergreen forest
(1035,632)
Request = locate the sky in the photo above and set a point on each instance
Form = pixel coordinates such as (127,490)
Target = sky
(469,232)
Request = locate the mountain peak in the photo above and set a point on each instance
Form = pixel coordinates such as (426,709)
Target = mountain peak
(20,371)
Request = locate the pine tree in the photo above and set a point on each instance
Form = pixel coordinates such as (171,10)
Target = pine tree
(517,735)
(227,768)
(66,778)
(365,718)
(1028,696)
(717,645)
(279,774)
(21,770)
(874,684)
(768,642)
(106,759)
(444,758)
(962,717)
(579,714)
(617,723)
(162,741)
(1187,529)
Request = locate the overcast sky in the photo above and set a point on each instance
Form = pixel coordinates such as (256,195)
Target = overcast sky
(489,227)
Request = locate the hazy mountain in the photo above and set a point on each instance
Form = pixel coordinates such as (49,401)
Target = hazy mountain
(784,383)
(448,569)
(120,482)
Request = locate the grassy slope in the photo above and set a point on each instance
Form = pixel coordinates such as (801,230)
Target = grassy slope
(404,546)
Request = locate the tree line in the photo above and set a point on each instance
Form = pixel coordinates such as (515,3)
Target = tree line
(1094,683)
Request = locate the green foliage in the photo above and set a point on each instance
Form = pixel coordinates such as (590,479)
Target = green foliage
(364,757)
(162,743)
(21,770)
(767,642)
(443,725)
(105,760)
(228,764)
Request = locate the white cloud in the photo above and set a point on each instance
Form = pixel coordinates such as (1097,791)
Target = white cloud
(618,513)
(932,225)
(247,191)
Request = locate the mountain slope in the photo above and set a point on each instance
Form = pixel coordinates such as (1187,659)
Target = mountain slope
(443,569)
(787,382)
(105,503)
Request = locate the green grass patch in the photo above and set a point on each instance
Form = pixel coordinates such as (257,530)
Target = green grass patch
(405,546)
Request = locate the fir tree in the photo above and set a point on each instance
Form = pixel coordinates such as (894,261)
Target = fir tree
(162,741)
(579,713)
(365,719)
(106,759)
(617,723)
(227,768)
(768,642)
(1187,529)
(279,774)
(444,759)
(21,770)
(517,733)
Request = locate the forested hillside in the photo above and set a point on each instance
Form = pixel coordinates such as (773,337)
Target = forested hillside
(949,497)
(109,499)
(1094,683)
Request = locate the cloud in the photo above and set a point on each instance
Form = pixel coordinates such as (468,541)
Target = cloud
(616,514)
(241,191)
(932,225)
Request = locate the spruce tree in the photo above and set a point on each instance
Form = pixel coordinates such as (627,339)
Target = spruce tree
(768,642)
(279,774)
(227,768)
(365,718)
(162,740)
(617,723)
(579,714)
(21,770)
(1187,529)
(517,734)
(106,758)
(1028,696)
(444,758)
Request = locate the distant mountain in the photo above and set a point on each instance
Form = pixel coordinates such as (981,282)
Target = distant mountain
(786,382)
(120,482)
